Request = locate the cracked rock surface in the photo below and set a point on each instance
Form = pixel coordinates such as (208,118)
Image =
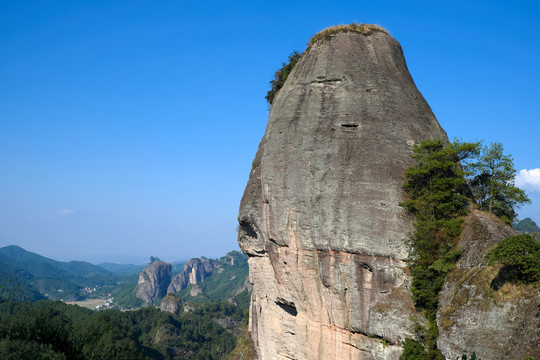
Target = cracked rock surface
(320,218)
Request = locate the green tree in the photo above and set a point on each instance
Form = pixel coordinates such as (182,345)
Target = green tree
(413,350)
(438,197)
(521,255)
(281,75)
(492,183)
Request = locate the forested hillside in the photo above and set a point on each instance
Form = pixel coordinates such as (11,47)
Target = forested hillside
(53,330)
(31,272)
(205,324)
(528,226)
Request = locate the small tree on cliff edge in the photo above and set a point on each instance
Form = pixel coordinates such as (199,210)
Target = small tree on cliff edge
(492,183)
(281,75)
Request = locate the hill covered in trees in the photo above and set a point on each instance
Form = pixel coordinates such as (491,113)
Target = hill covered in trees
(38,277)
(53,330)
(204,326)
(528,226)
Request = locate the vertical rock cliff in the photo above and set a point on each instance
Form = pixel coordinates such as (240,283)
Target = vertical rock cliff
(320,218)
(154,281)
(195,271)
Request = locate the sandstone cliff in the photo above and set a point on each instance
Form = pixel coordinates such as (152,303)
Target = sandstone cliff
(195,271)
(478,311)
(170,303)
(320,218)
(154,281)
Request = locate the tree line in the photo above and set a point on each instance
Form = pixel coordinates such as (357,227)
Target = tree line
(444,184)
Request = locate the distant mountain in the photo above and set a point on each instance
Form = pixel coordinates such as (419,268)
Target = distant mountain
(154,281)
(201,280)
(27,276)
(178,267)
(53,279)
(121,269)
(527,225)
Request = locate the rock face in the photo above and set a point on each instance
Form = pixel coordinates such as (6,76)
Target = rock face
(479,312)
(320,218)
(195,271)
(170,303)
(154,281)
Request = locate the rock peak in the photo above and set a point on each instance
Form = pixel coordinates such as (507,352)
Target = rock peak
(153,281)
(320,217)
(364,29)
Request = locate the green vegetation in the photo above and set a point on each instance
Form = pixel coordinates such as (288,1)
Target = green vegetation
(520,256)
(54,330)
(16,289)
(125,293)
(413,350)
(440,187)
(528,226)
(437,197)
(206,329)
(177,268)
(365,29)
(492,183)
(437,192)
(245,348)
(281,75)
(55,279)
(122,269)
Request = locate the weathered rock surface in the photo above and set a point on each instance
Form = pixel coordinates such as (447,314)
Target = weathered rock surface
(478,312)
(320,218)
(195,271)
(154,281)
(170,303)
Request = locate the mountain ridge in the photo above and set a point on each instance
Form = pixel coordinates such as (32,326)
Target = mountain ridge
(53,279)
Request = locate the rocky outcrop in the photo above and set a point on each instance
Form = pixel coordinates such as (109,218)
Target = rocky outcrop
(154,281)
(478,311)
(320,218)
(170,303)
(195,271)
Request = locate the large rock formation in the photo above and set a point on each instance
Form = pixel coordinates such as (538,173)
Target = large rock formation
(320,218)
(154,281)
(478,311)
(170,303)
(195,271)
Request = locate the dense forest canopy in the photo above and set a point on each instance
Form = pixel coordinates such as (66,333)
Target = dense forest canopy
(54,330)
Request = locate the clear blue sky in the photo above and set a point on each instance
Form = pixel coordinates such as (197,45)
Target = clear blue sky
(128,128)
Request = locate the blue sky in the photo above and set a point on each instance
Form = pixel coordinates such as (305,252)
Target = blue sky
(128,128)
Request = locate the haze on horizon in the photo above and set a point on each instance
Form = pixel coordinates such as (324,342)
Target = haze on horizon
(127,129)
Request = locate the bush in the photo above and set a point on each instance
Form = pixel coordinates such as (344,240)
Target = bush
(281,75)
(521,255)
(413,350)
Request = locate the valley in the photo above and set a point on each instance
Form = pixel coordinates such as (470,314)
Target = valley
(91,312)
